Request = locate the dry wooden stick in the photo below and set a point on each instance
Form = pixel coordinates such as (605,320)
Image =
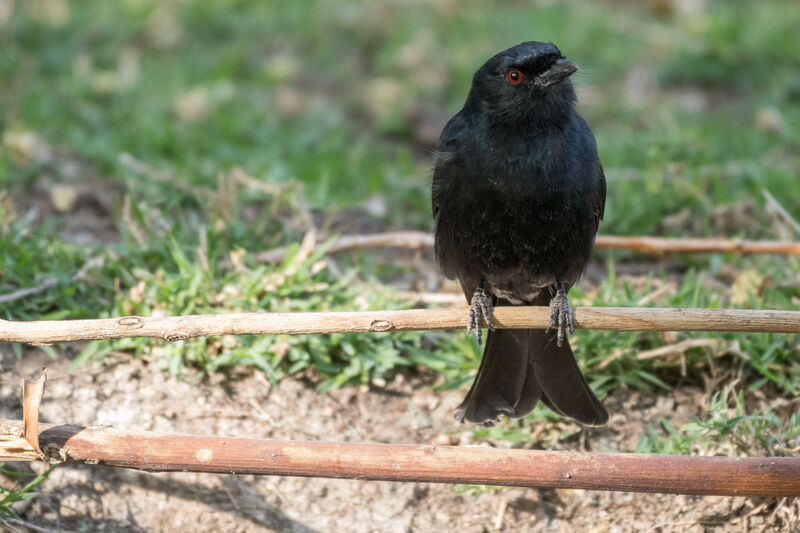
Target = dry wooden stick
(675,474)
(392,239)
(658,246)
(648,245)
(51,282)
(184,327)
(775,205)
(450,298)
(47,284)
(13,445)
(679,348)
(32,392)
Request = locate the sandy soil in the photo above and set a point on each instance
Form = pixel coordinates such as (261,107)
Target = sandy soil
(131,394)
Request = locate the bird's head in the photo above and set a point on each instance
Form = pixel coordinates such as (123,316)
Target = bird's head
(526,82)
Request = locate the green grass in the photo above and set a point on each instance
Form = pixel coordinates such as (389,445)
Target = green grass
(110,80)
(299,284)
(730,429)
(161,107)
(19,493)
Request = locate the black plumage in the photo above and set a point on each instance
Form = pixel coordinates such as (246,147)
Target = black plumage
(518,193)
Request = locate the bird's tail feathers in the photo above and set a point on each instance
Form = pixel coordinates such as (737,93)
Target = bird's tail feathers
(520,367)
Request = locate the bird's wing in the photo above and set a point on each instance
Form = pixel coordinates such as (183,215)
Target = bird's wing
(447,165)
(600,202)
(593,169)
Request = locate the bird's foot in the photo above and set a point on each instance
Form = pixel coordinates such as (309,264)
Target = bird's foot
(560,314)
(480,307)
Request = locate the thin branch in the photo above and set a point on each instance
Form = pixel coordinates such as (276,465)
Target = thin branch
(29,526)
(674,474)
(449,298)
(648,245)
(414,240)
(678,348)
(784,214)
(185,327)
(49,283)
(658,246)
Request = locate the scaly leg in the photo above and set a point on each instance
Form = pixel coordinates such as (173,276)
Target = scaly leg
(480,307)
(560,313)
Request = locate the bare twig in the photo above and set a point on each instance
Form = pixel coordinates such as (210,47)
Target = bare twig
(501,512)
(678,348)
(665,288)
(95,262)
(49,283)
(675,474)
(647,245)
(393,239)
(658,246)
(185,327)
(28,526)
(450,298)
(780,210)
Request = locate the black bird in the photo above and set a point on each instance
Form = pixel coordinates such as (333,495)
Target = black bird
(518,192)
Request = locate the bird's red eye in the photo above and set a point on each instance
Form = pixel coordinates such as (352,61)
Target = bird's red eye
(514,76)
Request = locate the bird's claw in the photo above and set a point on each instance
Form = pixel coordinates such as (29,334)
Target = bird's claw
(561,315)
(480,307)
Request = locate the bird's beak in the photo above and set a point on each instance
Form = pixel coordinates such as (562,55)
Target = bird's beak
(560,70)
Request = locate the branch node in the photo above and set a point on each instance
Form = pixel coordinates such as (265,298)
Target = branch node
(381,325)
(172,337)
(204,455)
(52,453)
(130,322)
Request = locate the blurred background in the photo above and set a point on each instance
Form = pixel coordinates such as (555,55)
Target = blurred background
(149,150)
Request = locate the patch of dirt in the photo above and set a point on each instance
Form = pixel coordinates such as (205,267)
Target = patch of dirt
(67,185)
(129,394)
